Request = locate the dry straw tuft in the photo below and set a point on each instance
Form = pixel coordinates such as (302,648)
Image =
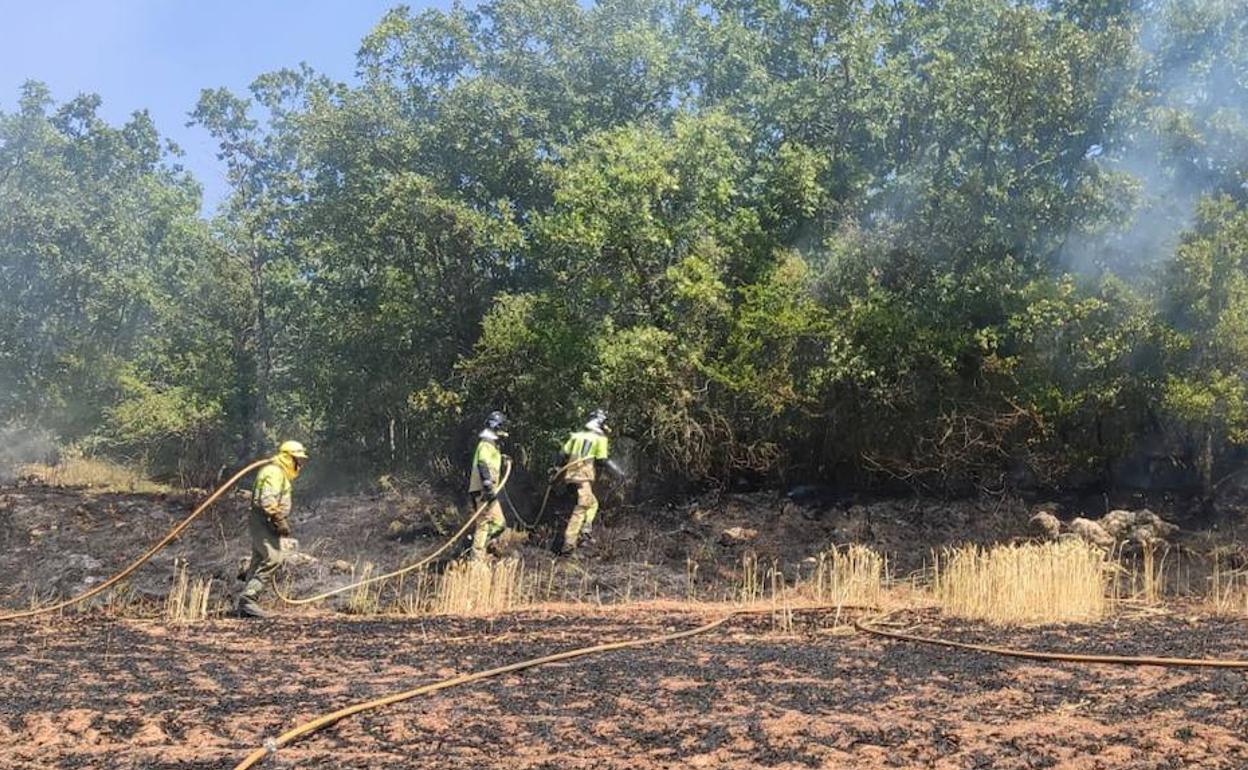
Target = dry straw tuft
(751,588)
(187,601)
(1023,584)
(1228,590)
(851,575)
(480,587)
(1142,575)
(364,599)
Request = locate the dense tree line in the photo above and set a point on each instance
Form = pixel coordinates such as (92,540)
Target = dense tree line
(954,243)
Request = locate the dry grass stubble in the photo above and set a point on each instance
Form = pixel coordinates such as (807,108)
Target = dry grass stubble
(1023,584)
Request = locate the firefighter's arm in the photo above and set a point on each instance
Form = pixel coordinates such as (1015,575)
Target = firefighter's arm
(487,479)
(602,458)
(561,464)
(275,506)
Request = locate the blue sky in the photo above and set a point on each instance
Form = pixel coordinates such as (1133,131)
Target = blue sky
(159,54)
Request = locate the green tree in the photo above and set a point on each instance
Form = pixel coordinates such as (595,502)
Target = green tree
(1206,302)
(92,219)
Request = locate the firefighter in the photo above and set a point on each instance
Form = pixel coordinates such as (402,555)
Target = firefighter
(269,521)
(484,483)
(584,452)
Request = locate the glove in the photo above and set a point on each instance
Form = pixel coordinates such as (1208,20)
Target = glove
(552,473)
(488,492)
(281,525)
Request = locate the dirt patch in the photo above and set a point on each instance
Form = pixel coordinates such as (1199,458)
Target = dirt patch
(96,693)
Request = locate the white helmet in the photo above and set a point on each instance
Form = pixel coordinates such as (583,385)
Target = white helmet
(598,421)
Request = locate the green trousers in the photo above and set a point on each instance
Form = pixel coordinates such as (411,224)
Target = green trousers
(491,524)
(266,553)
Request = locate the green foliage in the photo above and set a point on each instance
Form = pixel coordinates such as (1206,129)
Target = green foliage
(935,242)
(1206,303)
(96,231)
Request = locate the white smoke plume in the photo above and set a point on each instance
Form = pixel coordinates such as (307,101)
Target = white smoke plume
(20,445)
(1190,141)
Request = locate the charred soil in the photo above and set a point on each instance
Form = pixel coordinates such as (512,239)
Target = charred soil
(60,541)
(91,693)
(87,691)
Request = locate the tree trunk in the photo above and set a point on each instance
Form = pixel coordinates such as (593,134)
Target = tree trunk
(1204,466)
(263,357)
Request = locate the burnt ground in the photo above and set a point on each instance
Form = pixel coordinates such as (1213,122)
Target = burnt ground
(56,542)
(93,692)
(59,541)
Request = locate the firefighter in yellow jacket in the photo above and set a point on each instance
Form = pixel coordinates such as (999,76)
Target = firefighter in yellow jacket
(582,453)
(484,483)
(269,521)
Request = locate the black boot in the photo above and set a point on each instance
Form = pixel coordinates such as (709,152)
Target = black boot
(247,608)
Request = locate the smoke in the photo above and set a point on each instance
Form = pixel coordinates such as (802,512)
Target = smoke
(1155,205)
(20,445)
(1189,139)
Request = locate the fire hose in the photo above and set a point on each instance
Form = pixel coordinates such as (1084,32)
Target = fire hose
(502,483)
(325,720)
(139,562)
(550,484)
(1067,657)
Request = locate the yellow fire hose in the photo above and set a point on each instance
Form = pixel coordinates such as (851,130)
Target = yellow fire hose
(550,484)
(325,720)
(502,483)
(1068,657)
(139,562)
(545,499)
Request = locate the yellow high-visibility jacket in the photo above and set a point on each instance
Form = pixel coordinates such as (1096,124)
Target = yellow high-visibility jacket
(272,491)
(487,465)
(581,450)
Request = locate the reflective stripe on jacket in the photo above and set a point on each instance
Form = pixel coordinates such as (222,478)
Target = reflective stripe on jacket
(487,464)
(582,448)
(272,491)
